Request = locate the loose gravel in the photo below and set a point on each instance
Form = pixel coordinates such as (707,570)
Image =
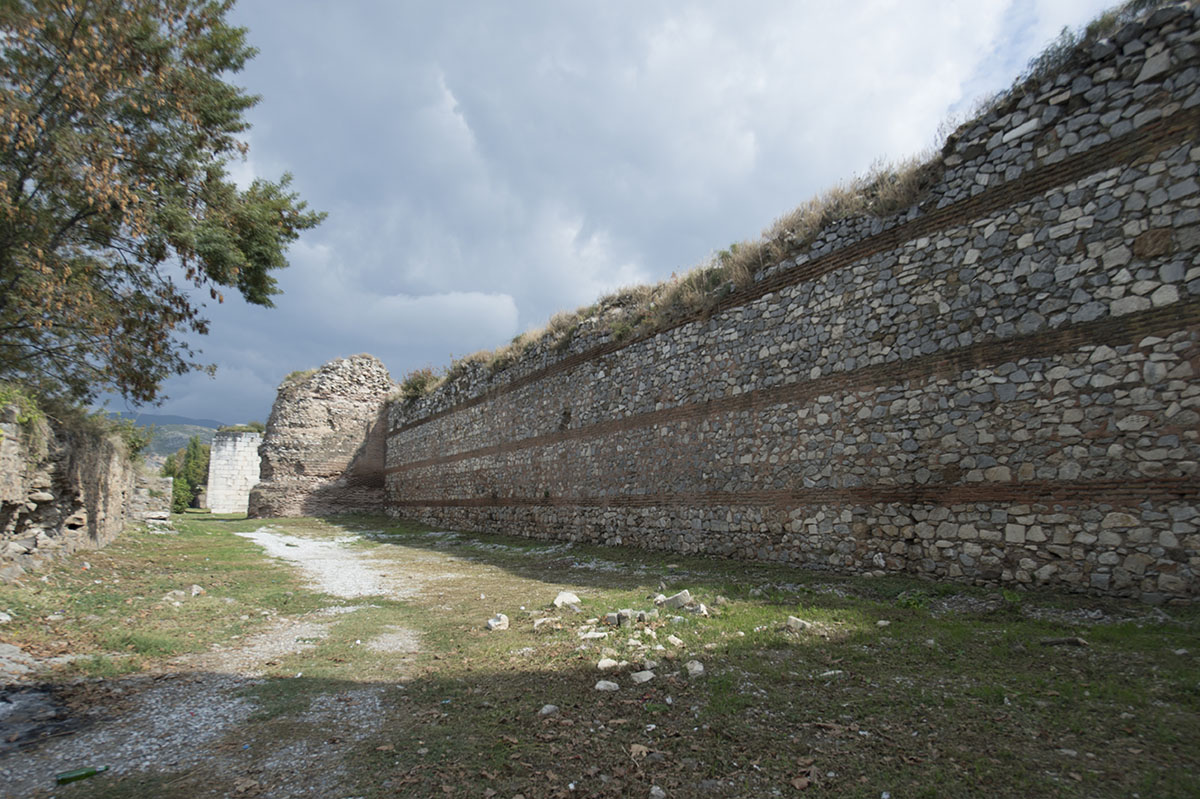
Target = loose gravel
(186,719)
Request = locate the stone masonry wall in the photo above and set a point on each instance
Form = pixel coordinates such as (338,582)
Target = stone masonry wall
(998,385)
(323,448)
(233,467)
(60,491)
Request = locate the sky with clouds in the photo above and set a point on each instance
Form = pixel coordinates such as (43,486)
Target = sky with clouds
(487,164)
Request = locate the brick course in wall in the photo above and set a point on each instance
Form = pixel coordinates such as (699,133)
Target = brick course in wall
(998,385)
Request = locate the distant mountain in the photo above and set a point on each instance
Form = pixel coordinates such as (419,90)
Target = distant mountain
(170,438)
(171,433)
(147,419)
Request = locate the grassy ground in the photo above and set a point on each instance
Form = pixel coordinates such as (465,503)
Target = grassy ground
(131,604)
(897,687)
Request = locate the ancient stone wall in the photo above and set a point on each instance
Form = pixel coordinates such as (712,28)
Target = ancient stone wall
(233,469)
(997,385)
(61,490)
(323,448)
(151,499)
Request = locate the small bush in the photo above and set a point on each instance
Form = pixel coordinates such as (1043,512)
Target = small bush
(28,412)
(418,383)
(181,495)
(297,376)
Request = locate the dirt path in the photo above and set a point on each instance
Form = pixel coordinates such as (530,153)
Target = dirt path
(188,718)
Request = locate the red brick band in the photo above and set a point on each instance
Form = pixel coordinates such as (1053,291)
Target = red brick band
(1108,330)
(1114,493)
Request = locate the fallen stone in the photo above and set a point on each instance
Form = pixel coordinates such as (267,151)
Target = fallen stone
(882,623)
(797,624)
(548,710)
(607,685)
(833,673)
(658,599)
(611,619)
(592,635)
(694,668)
(674,640)
(40,496)
(11,573)
(642,676)
(700,610)
(197,590)
(625,617)
(498,622)
(677,600)
(607,664)
(678,620)
(565,599)
(539,623)
(13,661)
(657,793)
(649,665)
(5,618)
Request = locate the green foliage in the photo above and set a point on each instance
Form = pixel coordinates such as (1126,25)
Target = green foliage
(189,468)
(28,412)
(418,383)
(181,495)
(32,412)
(136,438)
(116,131)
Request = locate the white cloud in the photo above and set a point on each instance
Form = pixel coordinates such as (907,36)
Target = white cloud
(486,165)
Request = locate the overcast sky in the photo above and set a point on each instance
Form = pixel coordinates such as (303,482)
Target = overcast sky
(486,164)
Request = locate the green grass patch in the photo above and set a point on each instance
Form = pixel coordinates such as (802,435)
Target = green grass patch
(895,685)
(137,598)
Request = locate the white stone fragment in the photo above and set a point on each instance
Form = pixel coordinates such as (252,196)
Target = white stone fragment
(565,598)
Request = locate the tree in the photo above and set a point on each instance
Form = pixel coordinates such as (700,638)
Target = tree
(116,127)
(189,468)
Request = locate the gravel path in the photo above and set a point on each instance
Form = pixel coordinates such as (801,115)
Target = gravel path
(331,566)
(187,718)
